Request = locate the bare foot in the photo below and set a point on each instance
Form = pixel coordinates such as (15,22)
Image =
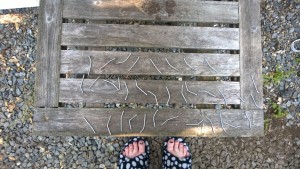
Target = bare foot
(135,149)
(177,149)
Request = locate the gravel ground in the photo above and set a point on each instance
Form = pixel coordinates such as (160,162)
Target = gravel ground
(280,148)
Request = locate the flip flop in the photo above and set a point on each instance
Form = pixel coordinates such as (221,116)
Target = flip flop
(171,161)
(139,162)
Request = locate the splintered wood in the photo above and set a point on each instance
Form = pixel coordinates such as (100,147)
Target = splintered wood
(231,52)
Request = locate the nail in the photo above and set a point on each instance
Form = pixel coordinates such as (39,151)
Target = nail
(134,64)
(107,63)
(154,97)
(111,83)
(189,65)
(187,89)
(94,82)
(171,65)
(136,84)
(127,91)
(254,83)
(125,59)
(90,66)
(222,96)
(155,66)
(183,94)
(210,66)
(81,84)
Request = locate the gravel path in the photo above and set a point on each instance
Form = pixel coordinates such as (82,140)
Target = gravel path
(280,148)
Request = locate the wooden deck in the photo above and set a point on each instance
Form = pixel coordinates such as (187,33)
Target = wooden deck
(200,56)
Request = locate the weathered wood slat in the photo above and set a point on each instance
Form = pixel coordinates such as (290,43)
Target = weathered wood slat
(47,74)
(251,54)
(63,122)
(150,36)
(103,92)
(161,10)
(78,62)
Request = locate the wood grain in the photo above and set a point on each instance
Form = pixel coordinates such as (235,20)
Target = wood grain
(103,92)
(149,36)
(77,62)
(69,122)
(250,53)
(48,58)
(160,10)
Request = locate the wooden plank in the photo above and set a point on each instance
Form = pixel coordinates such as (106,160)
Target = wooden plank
(150,36)
(161,10)
(77,62)
(103,92)
(64,122)
(47,74)
(96,22)
(251,54)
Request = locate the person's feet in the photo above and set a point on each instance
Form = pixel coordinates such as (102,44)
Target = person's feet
(177,149)
(174,147)
(135,149)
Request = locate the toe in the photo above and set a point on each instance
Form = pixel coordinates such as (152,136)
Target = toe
(176,146)
(181,148)
(130,150)
(141,147)
(170,145)
(126,152)
(187,154)
(184,152)
(135,148)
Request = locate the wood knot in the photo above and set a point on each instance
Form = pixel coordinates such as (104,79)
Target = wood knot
(170,4)
(149,7)
(49,19)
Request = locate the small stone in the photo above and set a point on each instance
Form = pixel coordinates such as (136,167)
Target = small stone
(11,158)
(61,156)
(69,139)
(270,160)
(274,35)
(298,143)
(253,164)
(107,163)
(289,116)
